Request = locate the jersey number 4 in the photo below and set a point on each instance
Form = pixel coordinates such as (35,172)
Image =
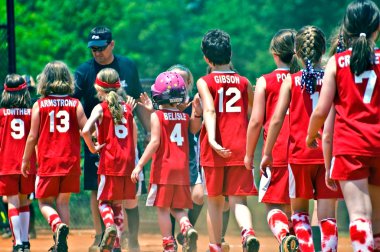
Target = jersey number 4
(176,135)
(371,76)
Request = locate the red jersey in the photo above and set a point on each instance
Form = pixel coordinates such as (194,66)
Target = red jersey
(59,139)
(14,130)
(300,109)
(272,90)
(117,157)
(230,93)
(357,99)
(170,163)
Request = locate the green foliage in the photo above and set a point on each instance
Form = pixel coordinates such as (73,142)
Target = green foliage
(157,34)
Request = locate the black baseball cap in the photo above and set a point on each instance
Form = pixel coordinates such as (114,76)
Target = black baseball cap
(99,36)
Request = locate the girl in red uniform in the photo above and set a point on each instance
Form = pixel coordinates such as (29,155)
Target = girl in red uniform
(351,85)
(116,142)
(227,100)
(169,178)
(299,93)
(15,120)
(56,121)
(275,191)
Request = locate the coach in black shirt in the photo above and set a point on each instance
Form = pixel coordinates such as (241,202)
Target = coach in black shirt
(101,44)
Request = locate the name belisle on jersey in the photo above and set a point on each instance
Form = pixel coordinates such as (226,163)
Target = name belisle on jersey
(58,103)
(17,111)
(174,116)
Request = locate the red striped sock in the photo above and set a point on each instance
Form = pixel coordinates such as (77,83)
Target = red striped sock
(15,225)
(54,220)
(302,228)
(106,212)
(329,233)
(278,223)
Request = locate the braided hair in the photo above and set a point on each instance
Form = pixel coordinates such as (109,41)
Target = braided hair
(310,46)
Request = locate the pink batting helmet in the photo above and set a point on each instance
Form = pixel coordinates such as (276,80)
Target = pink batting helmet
(169,87)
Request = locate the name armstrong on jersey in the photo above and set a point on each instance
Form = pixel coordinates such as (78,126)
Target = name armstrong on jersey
(58,103)
(17,111)
(174,116)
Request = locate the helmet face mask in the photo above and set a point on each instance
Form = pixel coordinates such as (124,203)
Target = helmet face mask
(168,88)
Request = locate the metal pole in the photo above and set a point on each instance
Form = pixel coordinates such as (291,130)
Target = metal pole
(11,37)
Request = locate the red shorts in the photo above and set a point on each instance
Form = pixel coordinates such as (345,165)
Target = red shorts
(115,188)
(51,186)
(308,181)
(172,196)
(277,191)
(229,181)
(349,167)
(14,184)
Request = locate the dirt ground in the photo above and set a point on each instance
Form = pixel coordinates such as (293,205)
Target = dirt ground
(80,240)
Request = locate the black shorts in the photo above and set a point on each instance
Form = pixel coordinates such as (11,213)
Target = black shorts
(90,178)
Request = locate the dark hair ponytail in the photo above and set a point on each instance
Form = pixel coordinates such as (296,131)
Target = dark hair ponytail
(361,20)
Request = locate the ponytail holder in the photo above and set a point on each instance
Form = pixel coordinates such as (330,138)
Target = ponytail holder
(15,89)
(310,77)
(107,85)
(362,35)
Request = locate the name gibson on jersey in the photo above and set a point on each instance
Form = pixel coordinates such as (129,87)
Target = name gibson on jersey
(174,116)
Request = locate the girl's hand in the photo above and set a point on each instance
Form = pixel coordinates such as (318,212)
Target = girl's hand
(221,151)
(197,107)
(25,168)
(330,183)
(135,174)
(266,161)
(97,147)
(131,102)
(248,162)
(146,102)
(311,142)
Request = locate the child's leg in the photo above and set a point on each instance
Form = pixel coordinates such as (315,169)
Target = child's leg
(359,208)
(277,221)
(374,193)
(226,218)
(14,218)
(133,217)
(214,218)
(24,217)
(63,207)
(49,213)
(117,208)
(60,229)
(187,230)
(238,206)
(301,224)
(110,233)
(163,218)
(329,229)
(197,198)
(315,228)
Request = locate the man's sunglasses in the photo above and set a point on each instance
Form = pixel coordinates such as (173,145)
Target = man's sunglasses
(99,48)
